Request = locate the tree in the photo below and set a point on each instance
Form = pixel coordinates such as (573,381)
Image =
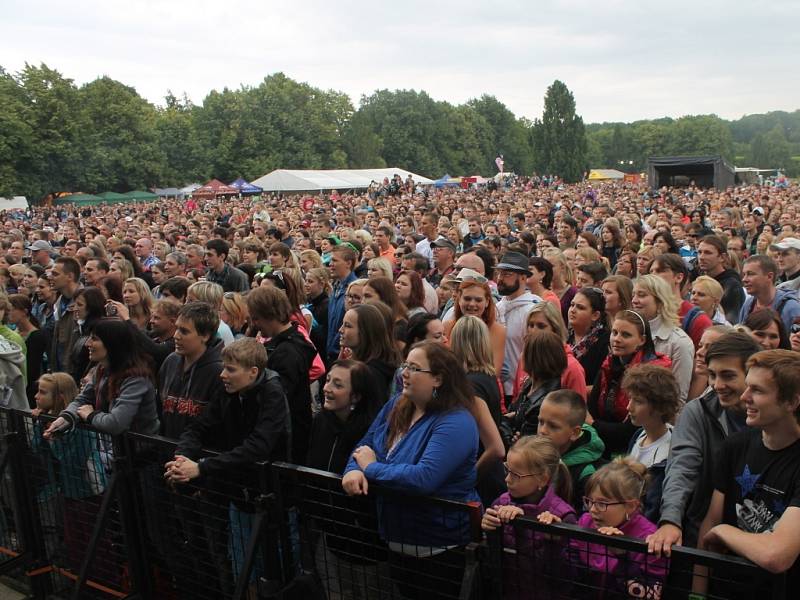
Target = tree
(57,124)
(119,149)
(362,145)
(178,142)
(18,152)
(560,137)
(770,150)
(507,136)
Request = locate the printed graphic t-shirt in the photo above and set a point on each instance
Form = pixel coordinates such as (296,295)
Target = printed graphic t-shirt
(759,485)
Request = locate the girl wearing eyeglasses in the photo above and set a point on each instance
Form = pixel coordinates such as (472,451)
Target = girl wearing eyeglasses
(538,483)
(613,504)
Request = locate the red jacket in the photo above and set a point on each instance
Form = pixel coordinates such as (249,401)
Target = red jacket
(619,410)
(699,324)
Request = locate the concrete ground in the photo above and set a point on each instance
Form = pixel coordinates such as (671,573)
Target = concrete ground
(6,593)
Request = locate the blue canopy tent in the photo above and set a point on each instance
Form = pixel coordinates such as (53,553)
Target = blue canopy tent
(245,188)
(445,181)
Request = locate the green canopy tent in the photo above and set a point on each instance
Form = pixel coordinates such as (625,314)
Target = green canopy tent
(113,197)
(140,196)
(79,200)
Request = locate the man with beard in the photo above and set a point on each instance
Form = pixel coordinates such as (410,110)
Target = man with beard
(512,311)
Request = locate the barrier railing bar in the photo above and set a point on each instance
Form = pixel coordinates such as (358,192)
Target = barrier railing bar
(270,541)
(97,531)
(28,524)
(128,510)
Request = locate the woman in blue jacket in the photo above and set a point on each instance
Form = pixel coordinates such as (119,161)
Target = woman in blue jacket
(423,442)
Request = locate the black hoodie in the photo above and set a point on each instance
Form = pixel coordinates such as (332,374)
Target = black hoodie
(184,394)
(245,428)
(382,374)
(290,355)
(333,440)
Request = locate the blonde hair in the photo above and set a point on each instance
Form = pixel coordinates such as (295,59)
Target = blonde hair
(541,456)
(125,268)
(236,307)
(556,255)
(64,390)
(710,287)
(383,265)
(313,257)
(246,352)
(208,292)
(323,275)
(553,316)
(146,300)
(470,342)
(666,302)
(588,254)
(621,480)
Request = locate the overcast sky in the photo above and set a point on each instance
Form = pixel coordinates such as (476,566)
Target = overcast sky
(623,60)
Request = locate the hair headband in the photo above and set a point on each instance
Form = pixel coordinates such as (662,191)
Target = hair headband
(641,318)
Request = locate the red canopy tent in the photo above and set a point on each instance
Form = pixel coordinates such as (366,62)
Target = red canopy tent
(215,188)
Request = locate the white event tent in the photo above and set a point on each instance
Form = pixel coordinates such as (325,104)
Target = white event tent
(286,180)
(14,203)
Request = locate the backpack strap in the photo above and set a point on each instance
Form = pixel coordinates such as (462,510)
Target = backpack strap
(689,317)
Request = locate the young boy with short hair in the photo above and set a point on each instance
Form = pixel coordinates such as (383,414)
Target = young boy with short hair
(653,401)
(247,424)
(562,419)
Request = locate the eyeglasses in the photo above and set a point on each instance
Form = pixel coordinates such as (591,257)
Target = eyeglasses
(795,328)
(413,368)
(600,505)
(516,476)
(353,297)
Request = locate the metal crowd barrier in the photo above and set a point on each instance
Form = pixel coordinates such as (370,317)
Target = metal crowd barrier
(532,561)
(90,516)
(383,545)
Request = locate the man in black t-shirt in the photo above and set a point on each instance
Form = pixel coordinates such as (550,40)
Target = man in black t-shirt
(755,509)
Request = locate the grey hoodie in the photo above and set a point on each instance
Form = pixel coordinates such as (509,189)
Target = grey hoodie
(12,382)
(697,436)
(514,315)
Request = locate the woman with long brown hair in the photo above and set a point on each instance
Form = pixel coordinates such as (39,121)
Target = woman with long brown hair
(424,442)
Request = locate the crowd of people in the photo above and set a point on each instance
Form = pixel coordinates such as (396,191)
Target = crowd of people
(613,357)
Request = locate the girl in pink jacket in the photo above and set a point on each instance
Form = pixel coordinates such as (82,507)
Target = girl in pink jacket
(613,507)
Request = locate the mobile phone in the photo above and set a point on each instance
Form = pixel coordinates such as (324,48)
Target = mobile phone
(111,310)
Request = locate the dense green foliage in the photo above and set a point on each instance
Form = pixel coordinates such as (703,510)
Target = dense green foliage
(57,136)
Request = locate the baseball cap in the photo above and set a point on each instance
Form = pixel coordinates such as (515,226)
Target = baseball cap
(41,245)
(443,243)
(758,211)
(789,243)
(470,275)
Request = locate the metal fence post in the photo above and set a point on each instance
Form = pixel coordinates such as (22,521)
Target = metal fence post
(129,512)
(25,510)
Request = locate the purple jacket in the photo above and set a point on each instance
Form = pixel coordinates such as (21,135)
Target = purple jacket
(549,502)
(532,567)
(634,572)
